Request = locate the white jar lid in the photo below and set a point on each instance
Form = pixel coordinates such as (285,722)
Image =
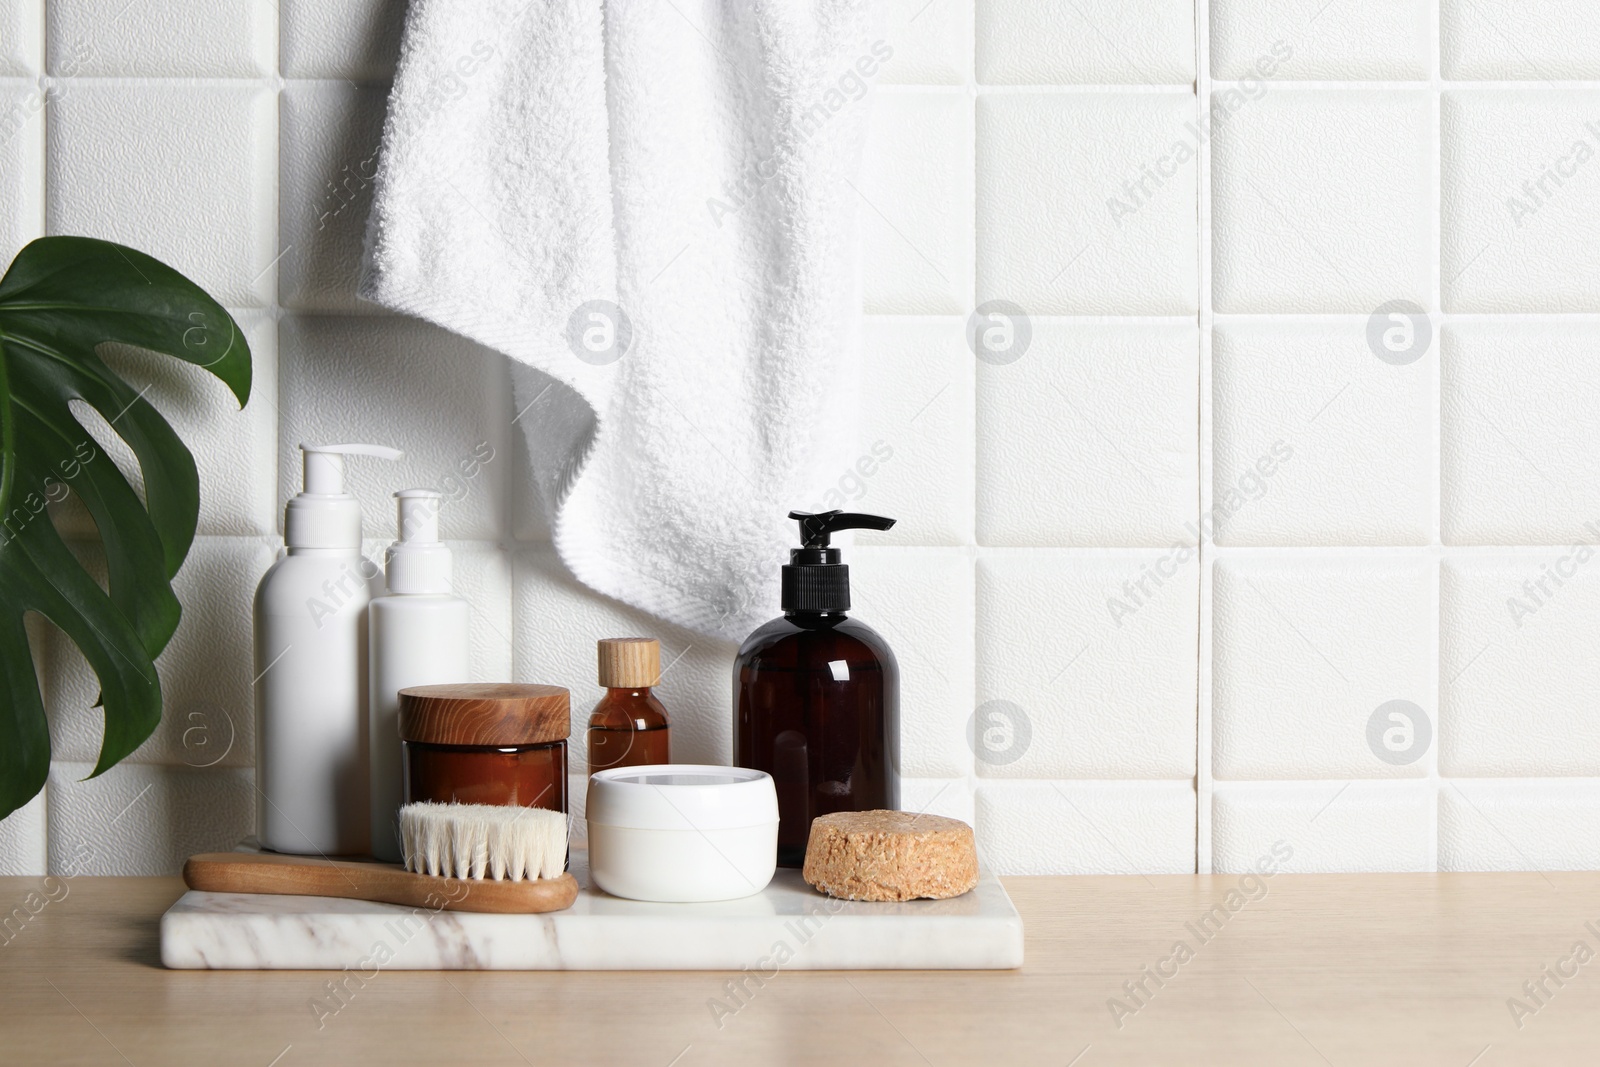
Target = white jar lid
(682,796)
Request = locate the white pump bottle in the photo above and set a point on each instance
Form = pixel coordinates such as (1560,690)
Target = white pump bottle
(311,668)
(417,634)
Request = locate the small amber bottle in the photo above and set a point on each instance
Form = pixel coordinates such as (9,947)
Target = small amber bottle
(628,728)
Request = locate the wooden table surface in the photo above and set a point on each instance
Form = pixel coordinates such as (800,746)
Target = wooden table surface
(1310,969)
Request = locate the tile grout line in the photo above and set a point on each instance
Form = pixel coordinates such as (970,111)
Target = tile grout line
(974,779)
(1437,298)
(1436,294)
(1304,85)
(971,760)
(1204,784)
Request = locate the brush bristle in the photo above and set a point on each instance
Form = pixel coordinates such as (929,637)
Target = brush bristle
(483,840)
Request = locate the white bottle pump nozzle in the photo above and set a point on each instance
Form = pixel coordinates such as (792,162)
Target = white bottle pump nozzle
(419,516)
(418,562)
(323,515)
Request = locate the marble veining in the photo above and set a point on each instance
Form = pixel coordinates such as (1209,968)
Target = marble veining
(786,926)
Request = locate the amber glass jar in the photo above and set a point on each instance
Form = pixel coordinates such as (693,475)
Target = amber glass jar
(628,727)
(493,743)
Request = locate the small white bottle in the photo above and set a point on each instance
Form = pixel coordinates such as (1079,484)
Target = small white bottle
(417,635)
(311,668)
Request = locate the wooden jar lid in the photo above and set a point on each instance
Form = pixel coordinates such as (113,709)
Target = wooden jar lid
(497,714)
(630,662)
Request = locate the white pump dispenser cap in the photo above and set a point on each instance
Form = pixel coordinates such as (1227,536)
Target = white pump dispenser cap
(418,562)
(323,515)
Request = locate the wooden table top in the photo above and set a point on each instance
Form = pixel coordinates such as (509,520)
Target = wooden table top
(1307,969)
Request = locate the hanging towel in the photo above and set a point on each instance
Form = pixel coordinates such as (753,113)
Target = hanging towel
(649,205)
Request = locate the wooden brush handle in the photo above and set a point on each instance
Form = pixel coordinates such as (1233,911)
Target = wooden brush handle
(263,872)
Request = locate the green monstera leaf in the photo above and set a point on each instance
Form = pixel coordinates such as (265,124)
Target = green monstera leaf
(61,297)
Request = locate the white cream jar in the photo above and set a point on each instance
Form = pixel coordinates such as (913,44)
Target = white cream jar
(682,832)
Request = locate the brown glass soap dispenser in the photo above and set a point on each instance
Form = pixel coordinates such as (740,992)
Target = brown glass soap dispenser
(816,694)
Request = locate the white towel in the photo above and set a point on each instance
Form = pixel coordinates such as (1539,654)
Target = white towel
(692,162)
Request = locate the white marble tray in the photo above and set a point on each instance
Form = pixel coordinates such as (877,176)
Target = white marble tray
(786,926)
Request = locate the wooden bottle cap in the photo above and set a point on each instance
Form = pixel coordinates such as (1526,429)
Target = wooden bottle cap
(630,662)
(485,713)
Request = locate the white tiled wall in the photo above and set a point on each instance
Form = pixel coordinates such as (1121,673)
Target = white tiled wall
(1198,209)
(1381,162)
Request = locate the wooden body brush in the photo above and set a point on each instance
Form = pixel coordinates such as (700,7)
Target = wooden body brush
(459,857)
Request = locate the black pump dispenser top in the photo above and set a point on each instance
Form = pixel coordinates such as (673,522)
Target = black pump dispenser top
(814,580)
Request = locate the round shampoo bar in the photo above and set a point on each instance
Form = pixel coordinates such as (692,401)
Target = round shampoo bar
(890,855)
